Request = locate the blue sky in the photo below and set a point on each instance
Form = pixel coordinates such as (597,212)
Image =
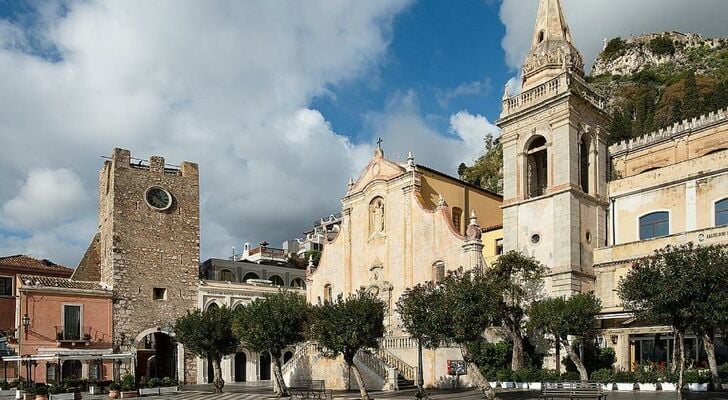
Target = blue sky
(448,52)
(279,101)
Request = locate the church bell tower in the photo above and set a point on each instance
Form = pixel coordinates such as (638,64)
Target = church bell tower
(555,159)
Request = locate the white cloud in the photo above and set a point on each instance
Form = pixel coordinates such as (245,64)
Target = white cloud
(593,20)
(404,129)
(224,84)
(47,198)
(473,88)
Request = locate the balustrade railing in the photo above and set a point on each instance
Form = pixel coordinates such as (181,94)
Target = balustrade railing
(303,351)
(407,371)
(556,86)
(373,362)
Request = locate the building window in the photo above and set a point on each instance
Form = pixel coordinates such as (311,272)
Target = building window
(6,286)
(654,225)
(584,163)
(438,271)
(51,373)
(721,213)
(537,167)
(298,283)
(498,247)
(71,322)
(213,306)
(227,275)
(457,215)
(328,292)
(250,275)
(277,280)
(94,370)
(159,293)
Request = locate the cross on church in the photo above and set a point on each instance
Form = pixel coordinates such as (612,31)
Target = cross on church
(379,143)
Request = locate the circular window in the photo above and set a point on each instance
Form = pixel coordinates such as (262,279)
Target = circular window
(588,237)
(535,238)
(158,198)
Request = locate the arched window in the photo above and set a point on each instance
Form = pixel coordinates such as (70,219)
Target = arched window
(250,275)
(328,292)
(654,225)
(438,271)
(226,275)
(721,212)
(213,306)
(277,280)
(584,163)
(541,36)
(457,217)
(536,167)
(298,283)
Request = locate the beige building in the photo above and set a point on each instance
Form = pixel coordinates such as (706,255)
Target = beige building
(588,211)
(402,224)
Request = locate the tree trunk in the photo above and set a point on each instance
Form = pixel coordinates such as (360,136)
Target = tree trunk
(218,382)
(282,389)
(517,338)
(576,359)
(558,354)
(359,380)
(709,344)
(420,379)
(477,377)
(675,353)
(680,337)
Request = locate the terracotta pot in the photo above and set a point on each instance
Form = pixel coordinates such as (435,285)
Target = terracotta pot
(41,397)
(128,395)
(113,394)
(28,396)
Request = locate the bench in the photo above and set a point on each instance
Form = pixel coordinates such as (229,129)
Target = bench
(572,390)
(310,389)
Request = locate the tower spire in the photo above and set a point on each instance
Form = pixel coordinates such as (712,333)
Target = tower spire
(552,47)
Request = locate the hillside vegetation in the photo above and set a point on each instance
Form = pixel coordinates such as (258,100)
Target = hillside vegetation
(650,82)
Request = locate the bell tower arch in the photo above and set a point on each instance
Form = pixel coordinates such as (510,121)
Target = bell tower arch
(555,159)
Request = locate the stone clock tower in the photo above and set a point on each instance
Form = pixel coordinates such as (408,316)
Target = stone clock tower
(555,159)
(147,251)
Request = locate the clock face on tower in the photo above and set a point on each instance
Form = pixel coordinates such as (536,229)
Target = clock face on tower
(158,198)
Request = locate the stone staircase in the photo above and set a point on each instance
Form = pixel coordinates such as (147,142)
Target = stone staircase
(382,362)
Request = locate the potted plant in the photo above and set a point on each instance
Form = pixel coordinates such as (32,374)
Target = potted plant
(625,380)
(647,379)
(505,378)
(696,380)
(491,376)
(114,390)
(128,387)
(29,393)
(41,392)
(668,382)
(605,376)
(152,387)
(521,378)
(93,386)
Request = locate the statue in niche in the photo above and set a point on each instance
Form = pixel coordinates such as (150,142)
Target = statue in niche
(376,216)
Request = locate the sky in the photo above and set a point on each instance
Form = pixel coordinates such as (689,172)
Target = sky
(279,102)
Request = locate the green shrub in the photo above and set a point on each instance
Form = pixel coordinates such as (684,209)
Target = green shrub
(504,375)
(41,390)
(570,376)
(154,382)
(166,381)
(527,375)
(696,376)
(4,385)
(604,375)
(647,375)
(549,375)
(55,389)
(114,386)
(614,49)
(625,377)
(662,45)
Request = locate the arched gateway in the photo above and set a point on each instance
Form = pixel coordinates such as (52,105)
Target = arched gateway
(157,355)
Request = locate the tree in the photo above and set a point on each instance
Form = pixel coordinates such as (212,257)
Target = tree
(519,279)
(469,302)
(487,171)
(347,325)
(661,288)
(208,334)
(271,324)
(422,317)
(562,318)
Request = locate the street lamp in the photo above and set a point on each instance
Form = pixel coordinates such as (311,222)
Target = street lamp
(26,322)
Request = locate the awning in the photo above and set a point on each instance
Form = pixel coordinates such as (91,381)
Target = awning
(67,356)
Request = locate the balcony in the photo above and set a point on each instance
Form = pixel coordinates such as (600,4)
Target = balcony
(73,335)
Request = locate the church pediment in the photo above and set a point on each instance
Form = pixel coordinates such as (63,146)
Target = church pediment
(379,168)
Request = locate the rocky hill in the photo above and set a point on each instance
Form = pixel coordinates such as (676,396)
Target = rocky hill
(657,79)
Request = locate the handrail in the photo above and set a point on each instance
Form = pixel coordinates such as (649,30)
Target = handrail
(301,352)
(408,371)
(373,362)
(398,342)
